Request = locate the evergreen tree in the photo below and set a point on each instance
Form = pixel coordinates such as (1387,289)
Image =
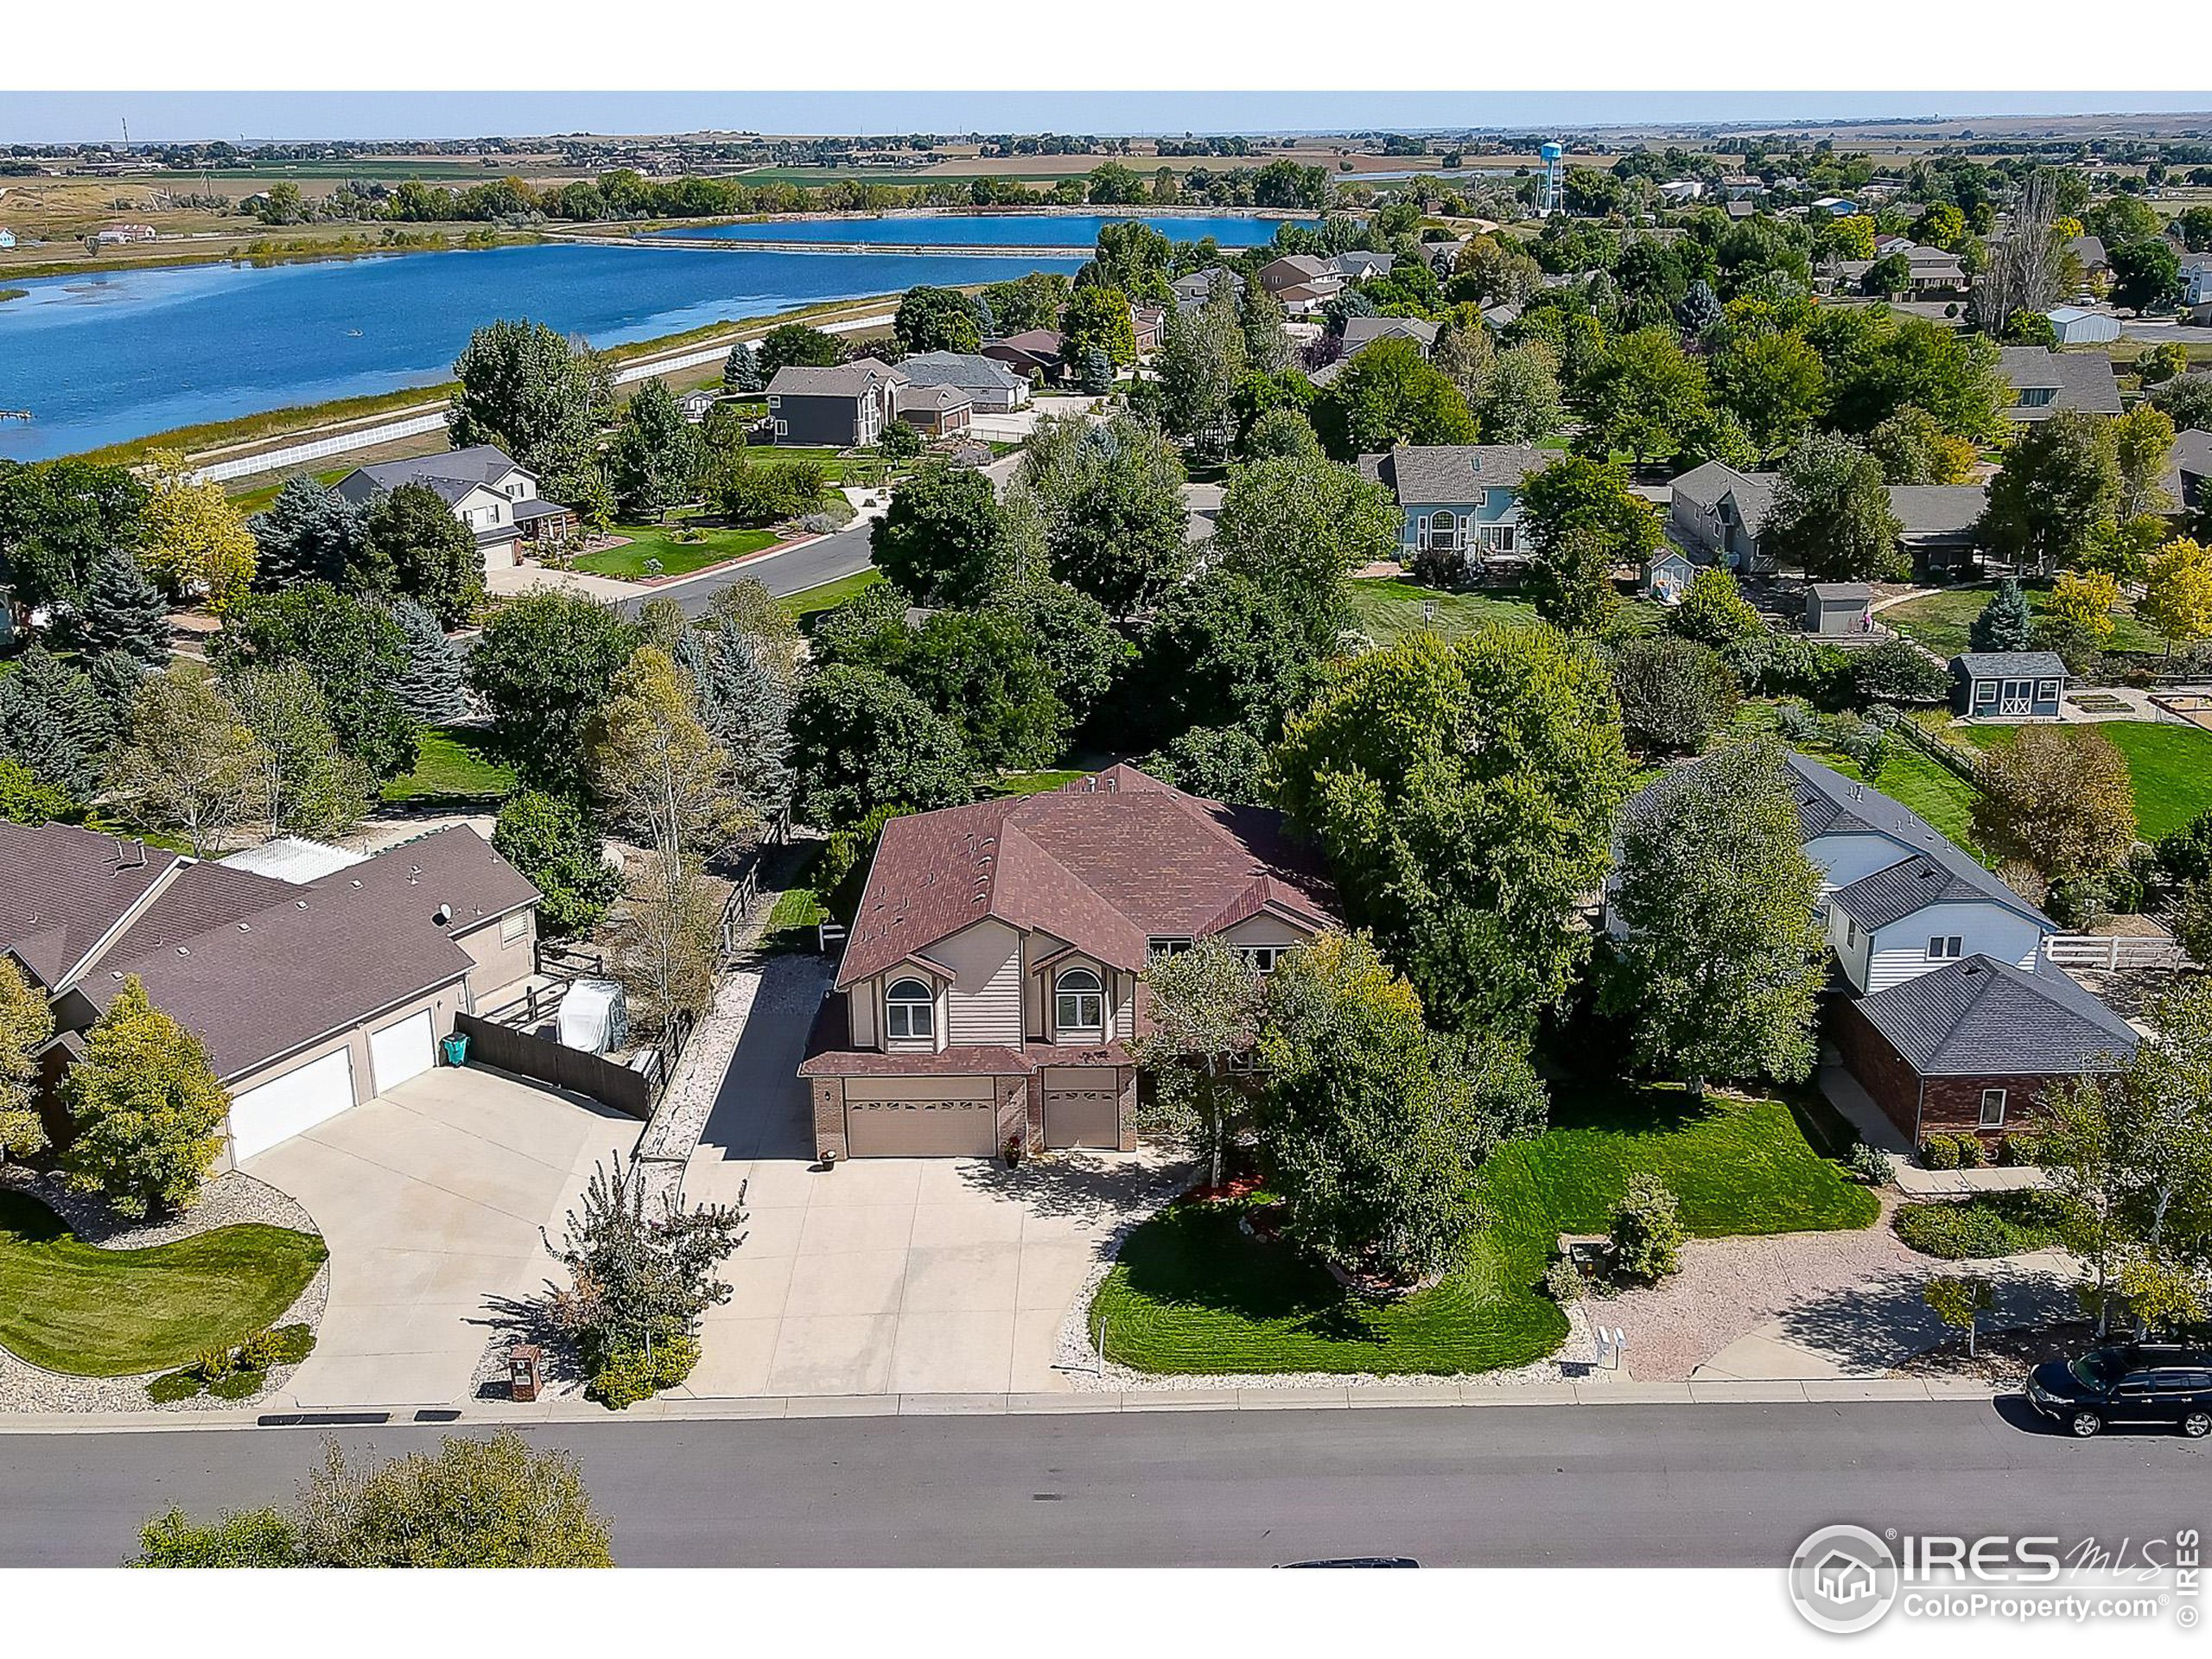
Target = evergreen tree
(741,372)
(746,709)
(2004,624)
(123,610)
(116,677)
(309,533)
(51,721)
(433,690)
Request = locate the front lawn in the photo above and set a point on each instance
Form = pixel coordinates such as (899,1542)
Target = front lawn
(92,1313)
(1940,621)
(1192,1294)
(657,544)
(451,765)
(2171,766)
(812,601)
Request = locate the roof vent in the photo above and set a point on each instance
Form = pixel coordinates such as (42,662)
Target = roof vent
(302,903)
(182,951)
(414,874)
(357,880)
(243,928)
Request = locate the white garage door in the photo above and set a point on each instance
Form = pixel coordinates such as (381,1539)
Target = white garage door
(297,1101)
(402,1050)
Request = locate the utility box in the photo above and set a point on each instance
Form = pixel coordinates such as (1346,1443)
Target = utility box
(524,1363)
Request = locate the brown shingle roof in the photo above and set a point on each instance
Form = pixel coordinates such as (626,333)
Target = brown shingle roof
(1105,864)
(61,890)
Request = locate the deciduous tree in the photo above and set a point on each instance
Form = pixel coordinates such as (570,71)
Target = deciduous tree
(943,538)
(1675,693)
(2177,594)
(1111,501)
(191,540)
(1388,395)
(2057,799)
(146,1107)
(1831,515)
(860,740)
(308,784)
(189,761)
(541,398)
(562,853)
(657,457)
(935,320)
(543,666)
(26,1023)
(354,649)
(2060,485)
(1203,1019)
(1582,520)
(425,554)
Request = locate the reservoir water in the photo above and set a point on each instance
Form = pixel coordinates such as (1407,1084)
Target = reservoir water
(990,230)
(101,358)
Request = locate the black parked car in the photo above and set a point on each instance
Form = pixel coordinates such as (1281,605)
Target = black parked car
(2140,1383)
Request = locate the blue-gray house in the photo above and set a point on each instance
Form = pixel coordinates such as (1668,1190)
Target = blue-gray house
(2009,685)
(1463,499)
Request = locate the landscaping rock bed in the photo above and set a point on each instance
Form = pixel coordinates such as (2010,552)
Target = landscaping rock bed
(226,1201)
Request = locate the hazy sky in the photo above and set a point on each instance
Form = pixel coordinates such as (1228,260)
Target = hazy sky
(33,118)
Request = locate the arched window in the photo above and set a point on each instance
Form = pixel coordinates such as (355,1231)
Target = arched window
(909,1009)
(1079,1003)
(1442,526)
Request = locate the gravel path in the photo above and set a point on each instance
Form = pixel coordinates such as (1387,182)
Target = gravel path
(225,1201)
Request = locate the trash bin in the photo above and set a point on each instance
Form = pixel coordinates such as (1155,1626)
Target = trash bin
(457,1048)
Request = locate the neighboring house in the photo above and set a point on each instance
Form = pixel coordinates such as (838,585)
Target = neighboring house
(989,993)
(2074,327)
(1839,610)
(1034,353)
(1739,208)
(1971,1047)
(119,235)
(1360,332)
(697,405)
(938,411)
(310,994)
(2009,684)
(1933,272)
(2196,292)
(1145,322)
(1195,288)
(993,388)
(2188,466)
(1304,299)
(496,499)
(2044,381)
(846,407)
(1938,906)
(1681,190)
(1716,514)
(1460,498)
(1501,315)
(1298,271)
(1941,526)
(2089,251)
(1443,255)
(1361,263)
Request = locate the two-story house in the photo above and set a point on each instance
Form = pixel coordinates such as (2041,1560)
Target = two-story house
(845,407)
(494,497)
(2044,382)
(1463,499)
(989,993)
(1716,514)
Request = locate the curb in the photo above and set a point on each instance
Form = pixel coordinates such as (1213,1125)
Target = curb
(682,1408)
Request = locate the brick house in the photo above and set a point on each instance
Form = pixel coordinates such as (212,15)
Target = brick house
(1970,1048)
(989,992)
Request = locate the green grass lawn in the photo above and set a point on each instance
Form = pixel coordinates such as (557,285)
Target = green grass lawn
(1192,1294)
(2169,766)
(657,542)
(1387,608)
(1940,621)
(812,601)
(452,765)
(1032,783)
(1913,778)
(92,1313)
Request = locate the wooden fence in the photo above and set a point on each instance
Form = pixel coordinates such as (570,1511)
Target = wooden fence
(526,1054)
(2114,952)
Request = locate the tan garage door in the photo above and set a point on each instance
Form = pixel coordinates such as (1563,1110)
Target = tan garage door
(913,1122)
(1082,1108)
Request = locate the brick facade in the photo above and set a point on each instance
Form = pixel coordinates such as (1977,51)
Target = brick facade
(1923,1107)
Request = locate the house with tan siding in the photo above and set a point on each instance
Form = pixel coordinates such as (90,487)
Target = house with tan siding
(991,993)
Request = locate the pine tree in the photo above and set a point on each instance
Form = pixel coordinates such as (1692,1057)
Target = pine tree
(123,610)
(2004,624)
(51,721)
(742,372)
(744,704)
(116,677)
(433,690)
(309,533)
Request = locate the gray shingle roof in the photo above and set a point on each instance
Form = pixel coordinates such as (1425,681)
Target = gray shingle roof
(1926,510)
(2019,664)
(452,475)
(1362,332)
(966,369)
(1706,487)
(1940,875)
(844,380)
(1450,473)
(2188,465)
(1840,593)
(2082,380)
(1980,1017)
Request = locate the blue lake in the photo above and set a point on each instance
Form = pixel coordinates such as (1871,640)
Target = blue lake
(991,230)
(101,360)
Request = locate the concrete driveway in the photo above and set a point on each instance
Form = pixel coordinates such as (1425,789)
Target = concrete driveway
(921,1275)
(430,1199)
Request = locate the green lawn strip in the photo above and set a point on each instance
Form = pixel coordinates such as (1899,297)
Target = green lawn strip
(2171,766)
(1192,1294)
(253,500)
(1915,779)
(1032,783)
(657,542)
(1389,608)
(1940,621)
(452,765)
(70,1307)
(812,601)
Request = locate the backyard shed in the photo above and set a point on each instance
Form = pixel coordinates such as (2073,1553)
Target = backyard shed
(2009,685)
(1837,609)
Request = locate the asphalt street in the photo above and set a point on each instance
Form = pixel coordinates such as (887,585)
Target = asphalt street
(793,571)
(1705,1485)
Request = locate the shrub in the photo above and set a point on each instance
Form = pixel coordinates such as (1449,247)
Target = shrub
(1871,1164)
(1940,1152)
(628,1375)
(1898,671)
(1441,567)
(2020,1151)
(174,1386)
(1564,1283)
(215,1364)
(1674,693)
(1984,1226)
(1796,721)
(1646,1231)
(765,492)
(239,1385)
(293,1343)
(1972,1153)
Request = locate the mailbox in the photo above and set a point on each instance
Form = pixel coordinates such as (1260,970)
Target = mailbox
(523,1370)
